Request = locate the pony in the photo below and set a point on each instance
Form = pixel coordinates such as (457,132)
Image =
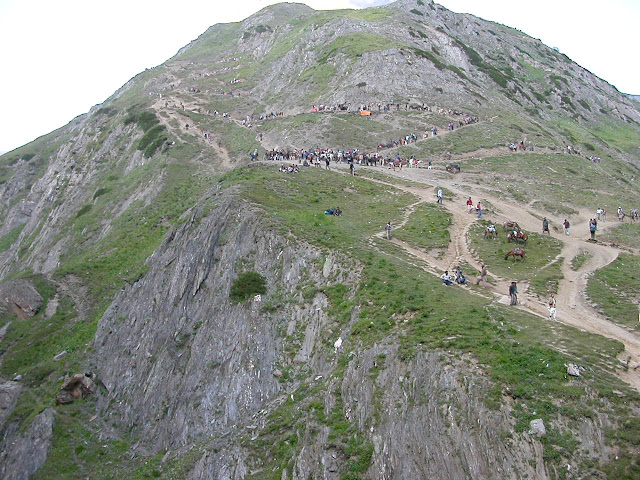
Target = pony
(490,233)
(516,252)
(509,225)
(519,236)
(453,168)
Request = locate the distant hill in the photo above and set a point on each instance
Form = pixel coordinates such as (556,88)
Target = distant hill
(171,257)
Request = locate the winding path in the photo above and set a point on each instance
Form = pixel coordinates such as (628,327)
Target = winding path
(573,306)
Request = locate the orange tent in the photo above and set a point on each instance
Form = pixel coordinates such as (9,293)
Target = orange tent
(365,113)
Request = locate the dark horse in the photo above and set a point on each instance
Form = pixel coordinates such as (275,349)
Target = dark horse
(453,168)
(516,252)
(517,237)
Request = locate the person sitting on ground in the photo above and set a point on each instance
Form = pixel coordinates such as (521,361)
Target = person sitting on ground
(446,278)
(492,228)
(330,211)
(338,212)
(460,278)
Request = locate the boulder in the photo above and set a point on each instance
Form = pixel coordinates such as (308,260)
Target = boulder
(64,398)
(536,427)
(78,386)
(573,370)
(21,297)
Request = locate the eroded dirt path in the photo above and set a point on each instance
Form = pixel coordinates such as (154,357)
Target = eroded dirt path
(573,307)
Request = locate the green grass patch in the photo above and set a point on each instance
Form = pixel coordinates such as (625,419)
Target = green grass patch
(540,250)
(545,281)
(10,238)
(627,234)
(616,288)
(579,260)
(427,228)
(298,203)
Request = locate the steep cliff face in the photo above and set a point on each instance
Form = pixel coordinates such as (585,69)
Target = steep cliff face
(182,364)
(179,360)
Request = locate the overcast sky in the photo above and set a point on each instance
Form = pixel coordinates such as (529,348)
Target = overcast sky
(59,58)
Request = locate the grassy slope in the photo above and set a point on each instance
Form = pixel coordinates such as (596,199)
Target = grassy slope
(519,353)
(616,288)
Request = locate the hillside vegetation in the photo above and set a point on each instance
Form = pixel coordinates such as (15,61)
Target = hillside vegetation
(233,329)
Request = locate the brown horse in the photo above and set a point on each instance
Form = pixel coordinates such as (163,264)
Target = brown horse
(490,233)
(519,236)
(516,252)
(509,225)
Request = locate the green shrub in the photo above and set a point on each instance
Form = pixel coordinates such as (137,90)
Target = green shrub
(83,210)
(100,191)
(246,286)
(416,12)
(152,140)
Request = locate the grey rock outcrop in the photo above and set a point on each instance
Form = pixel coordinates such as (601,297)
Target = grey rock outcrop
(21,298)
(9,393)
(22,454)
(183,362)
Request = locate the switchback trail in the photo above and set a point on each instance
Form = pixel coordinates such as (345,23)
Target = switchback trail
(573,307)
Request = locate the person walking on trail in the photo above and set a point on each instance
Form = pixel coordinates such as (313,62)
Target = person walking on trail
(470,204)
(479,209)
(352,168)
(545,226)
(439,195)
(482,278)
(566,226)
(326,163)
(446,278)
(552,307)
(387,227)
(513,292)
(593,226)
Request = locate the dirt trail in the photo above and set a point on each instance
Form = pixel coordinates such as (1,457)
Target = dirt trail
(182,120)
(573,307)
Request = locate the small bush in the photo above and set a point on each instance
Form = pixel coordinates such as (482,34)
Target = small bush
(361,84)
(416,12)
(246,286)
(584,104)
(108,111)
(152,140)
(83,210)
(99,192)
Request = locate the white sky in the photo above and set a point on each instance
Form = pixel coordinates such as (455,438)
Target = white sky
(60,57)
